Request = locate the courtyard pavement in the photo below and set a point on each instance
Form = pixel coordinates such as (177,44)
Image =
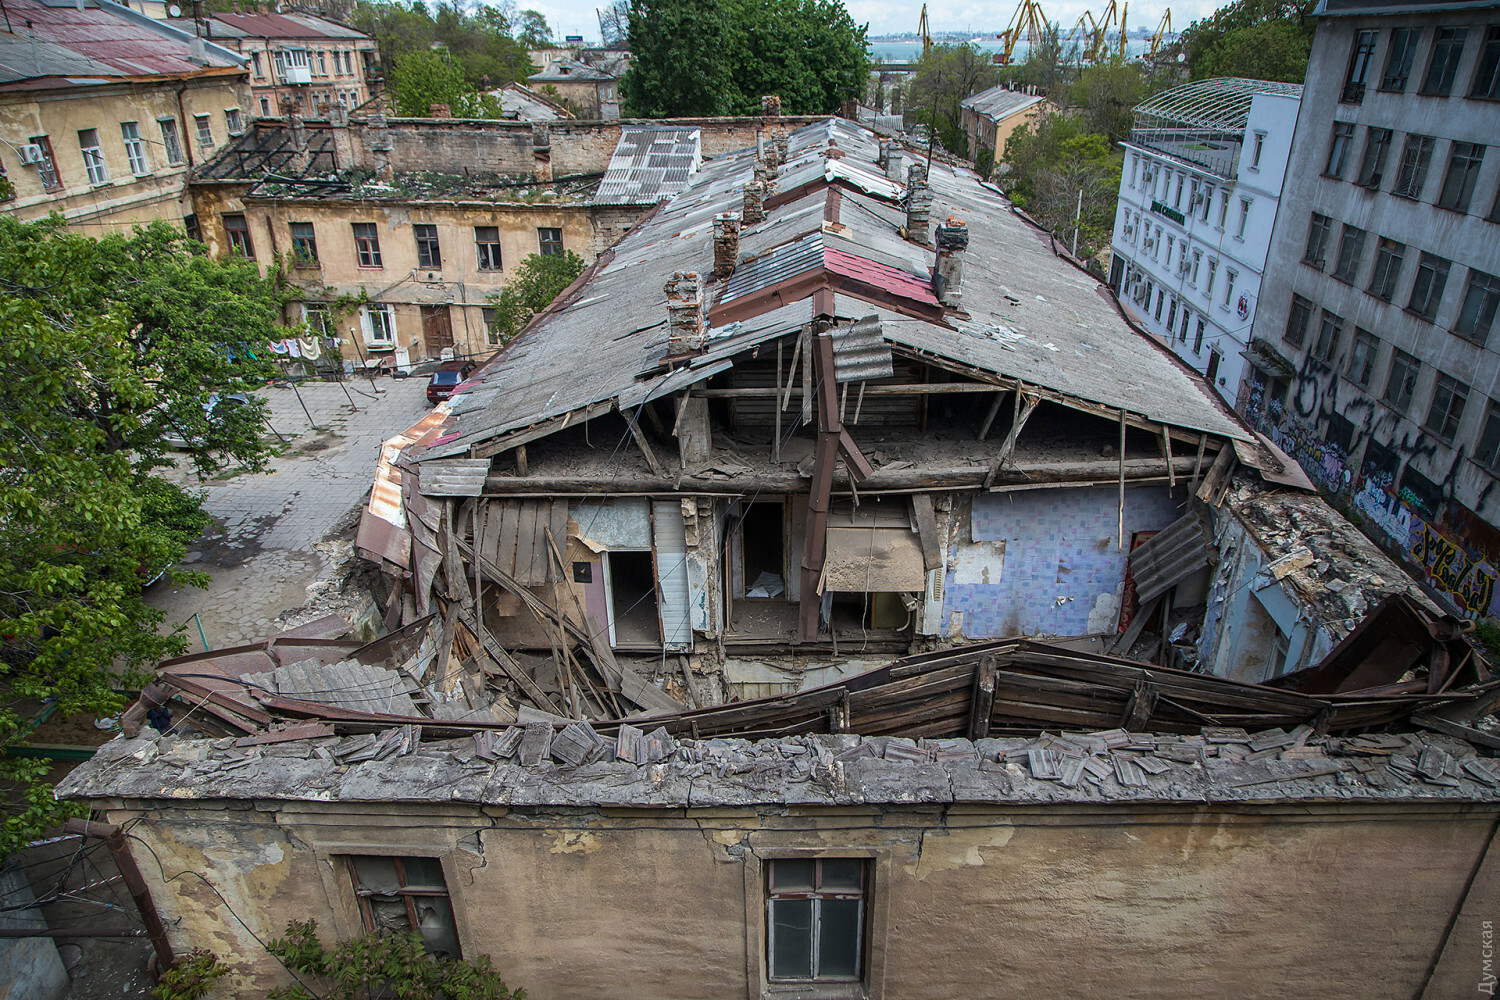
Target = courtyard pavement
(284,536)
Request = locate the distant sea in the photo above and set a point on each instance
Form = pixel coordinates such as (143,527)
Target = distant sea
(910,51)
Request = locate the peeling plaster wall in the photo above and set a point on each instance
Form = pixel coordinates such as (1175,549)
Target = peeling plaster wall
(1045,562)
(1066,901)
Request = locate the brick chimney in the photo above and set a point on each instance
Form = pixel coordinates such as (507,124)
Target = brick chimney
(767,173)
(948,272)
(439,111)
(686,326)
(884,154)
(754,208)
(726,243)
(918,203)
(893,162)
(770,106)
(778,138)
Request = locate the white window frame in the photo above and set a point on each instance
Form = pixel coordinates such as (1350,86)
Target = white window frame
(135,149)
(234,124)
(93,157)
(370,326)
(1239,229)
(204,125)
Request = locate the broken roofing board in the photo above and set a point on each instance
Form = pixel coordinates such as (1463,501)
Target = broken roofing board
(650,164)
(1289,560)
(1032,316)
(1102,768)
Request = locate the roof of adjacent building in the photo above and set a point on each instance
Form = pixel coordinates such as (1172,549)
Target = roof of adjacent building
(539,766)
(269,26)
(649,164)
(1000,102)
(1029,314)
(1220,104)
(521,103)
(1347,8)
(100,43)
(569,69)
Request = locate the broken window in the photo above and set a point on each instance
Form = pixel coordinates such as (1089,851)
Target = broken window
(1362,357)
(1446,53)
(1463,173)
(1427,290)
(1388,260)
(815,916)
(630,582)
(304,243)
(398,895)
(1351,250)
(1316,254)
(1416,157)
(1448,399)
(238,230)
(1338,151)
(1372,167)
(1401,383)
(1398,58)
(1358,74)
(762,549)
(1296,323)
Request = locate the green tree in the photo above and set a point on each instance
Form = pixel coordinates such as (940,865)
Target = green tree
(108,343)
(537,281)
(533,31)
(1046,66)
(946,75)
(1259,39)
(1106,94)
(1049,163)
(719,57)
(423,78)
(478,39)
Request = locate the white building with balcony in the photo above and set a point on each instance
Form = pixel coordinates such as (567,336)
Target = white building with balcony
(1198,197)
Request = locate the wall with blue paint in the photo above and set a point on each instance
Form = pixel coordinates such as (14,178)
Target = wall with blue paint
(1045,562)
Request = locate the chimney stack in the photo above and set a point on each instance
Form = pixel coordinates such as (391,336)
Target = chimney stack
(381,147)
(778,138)
(338,128)
(918,203)
(770,106)
(893,162)
(766,172)
(726,243)
(439,111)
(754,208)
(298,132)
(948,273)
(541,152)
(884,155)
(686,327)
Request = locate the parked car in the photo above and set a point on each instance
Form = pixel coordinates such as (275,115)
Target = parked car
(215,409)
(447,378)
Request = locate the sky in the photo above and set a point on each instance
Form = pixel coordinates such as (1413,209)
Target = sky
(576,17)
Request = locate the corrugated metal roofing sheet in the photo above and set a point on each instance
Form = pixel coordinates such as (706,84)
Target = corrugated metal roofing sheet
(126,42)
(759,273)
(1000,102)
(650,164)
(283,26)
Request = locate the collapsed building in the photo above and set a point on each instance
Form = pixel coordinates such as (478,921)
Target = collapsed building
(755,629)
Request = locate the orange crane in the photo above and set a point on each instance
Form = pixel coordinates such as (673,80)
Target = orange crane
(1029,23)
(923,31)
(1163,29)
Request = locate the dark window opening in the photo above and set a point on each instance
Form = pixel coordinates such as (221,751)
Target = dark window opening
(1359,67)
(399,895)
(1487,74)
(1463,174)
(1443,66)
(1340,432)
(632,596)
(429,254)
(1422,493)
(304,243)
(1398,58)
(238,230)
(549,242)
(1372,167)
(763,547)
(1411,174)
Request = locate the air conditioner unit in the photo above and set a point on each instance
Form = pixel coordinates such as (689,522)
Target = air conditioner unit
(31,153)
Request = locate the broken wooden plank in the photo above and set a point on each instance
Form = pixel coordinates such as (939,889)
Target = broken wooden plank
(640,439)
(982,700)
(1022,414)
(927,531)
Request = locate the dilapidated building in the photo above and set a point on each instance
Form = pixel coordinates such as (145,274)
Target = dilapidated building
(821,408)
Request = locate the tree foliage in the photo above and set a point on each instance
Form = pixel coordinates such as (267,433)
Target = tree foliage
(538,281)
(479,44)
(1258,39)
(109,343)
(1050,161)
(1105,95)
(382,965)
(426,77)
(719,57)
(945,76)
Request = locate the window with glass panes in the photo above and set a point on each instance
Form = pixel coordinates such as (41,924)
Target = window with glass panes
(93,155)
(1360,58)
(1388,258)
(1463,174)
(491,332)
(815,916)
(46,167)
(135,148)
(1443,65)
(1372,167)
(1398,58)
(367,244)
(550,242)
(1487,452)
(487,247)
(1326,344)
(429,254)
(1351,250)
(1477,314)
(1338,151)
(304,243)
(171,144)
(238,230)
(1401,383)
(1448,399)
(400,895)
(205,131)
(1411,174)
(1487,74)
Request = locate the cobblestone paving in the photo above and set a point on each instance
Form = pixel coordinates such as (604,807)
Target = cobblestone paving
(271,538)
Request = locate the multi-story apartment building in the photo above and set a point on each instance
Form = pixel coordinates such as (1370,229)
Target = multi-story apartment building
(1377,361)
(307,60)
(1198,198)
(103,113)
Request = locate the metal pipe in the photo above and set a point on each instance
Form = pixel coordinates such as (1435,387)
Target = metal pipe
(114,839)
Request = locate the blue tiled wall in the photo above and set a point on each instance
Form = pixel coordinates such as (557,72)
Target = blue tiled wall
(1060,555)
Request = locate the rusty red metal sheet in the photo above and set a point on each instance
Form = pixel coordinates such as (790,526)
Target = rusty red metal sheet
(883,276)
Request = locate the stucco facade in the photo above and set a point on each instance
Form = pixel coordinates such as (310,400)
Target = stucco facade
(1379,307)
(978,879)
(298,58)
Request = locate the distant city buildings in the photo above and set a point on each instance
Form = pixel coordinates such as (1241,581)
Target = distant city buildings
(1198,197)
(302,59)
